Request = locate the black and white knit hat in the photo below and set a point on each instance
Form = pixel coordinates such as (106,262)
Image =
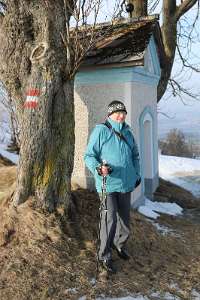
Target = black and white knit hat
(116,106)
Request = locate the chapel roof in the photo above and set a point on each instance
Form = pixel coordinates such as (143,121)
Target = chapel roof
(123,41)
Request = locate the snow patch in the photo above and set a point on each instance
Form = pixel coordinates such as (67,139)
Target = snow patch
(195,295)
(165,296)
(126,298)
(184,172)
(144,210)
(11,156)
(4,127)
(155,295)
(93,281)
(164,230)
(72,290)
(152,209)
(82,298)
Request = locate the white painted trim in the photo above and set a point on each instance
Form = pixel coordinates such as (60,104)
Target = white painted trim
(146,115)
(148,118)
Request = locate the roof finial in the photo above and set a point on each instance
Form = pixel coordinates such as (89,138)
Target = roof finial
(129,9)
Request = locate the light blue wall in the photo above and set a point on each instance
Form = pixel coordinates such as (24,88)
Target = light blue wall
(154,57)
(116,75)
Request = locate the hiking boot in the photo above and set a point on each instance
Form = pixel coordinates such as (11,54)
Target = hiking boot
(108,266)
(122,253)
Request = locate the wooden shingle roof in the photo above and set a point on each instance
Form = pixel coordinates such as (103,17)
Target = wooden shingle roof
(124,41)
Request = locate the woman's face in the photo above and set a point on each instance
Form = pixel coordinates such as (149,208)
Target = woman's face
(118,116)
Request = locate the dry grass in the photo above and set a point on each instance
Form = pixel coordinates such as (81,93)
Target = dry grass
(5,161)
(170,192)
(43,256)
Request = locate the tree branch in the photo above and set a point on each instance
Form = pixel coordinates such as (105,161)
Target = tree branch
(185,62)
(153,5)
(2,10)
(184,7)
(177,90)
(159,111)
(3,4)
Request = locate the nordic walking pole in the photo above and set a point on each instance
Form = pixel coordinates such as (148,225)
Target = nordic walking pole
(103,205)
(102,198)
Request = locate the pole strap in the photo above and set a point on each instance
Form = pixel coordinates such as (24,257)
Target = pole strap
(118,134)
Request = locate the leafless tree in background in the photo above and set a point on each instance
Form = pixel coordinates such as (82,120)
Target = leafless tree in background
(175,144)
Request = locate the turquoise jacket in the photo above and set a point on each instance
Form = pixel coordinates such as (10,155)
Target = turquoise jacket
(123,158)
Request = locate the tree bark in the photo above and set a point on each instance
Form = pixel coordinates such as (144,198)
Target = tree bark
(169,35)
(140,8)
(171,14)
(33,65)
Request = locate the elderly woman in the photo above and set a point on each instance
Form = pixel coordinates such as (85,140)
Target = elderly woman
(114,143)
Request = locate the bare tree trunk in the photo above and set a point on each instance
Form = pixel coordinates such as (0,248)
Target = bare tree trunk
(172,12)
(140,8)
(46,152)
(169,34)
(34,68)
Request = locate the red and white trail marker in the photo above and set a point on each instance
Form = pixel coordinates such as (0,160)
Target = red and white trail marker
(32,97)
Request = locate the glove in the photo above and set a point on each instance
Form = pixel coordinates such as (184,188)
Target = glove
(99,168)
(138,181)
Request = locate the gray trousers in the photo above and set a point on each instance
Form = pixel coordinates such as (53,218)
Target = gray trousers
(114,223)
